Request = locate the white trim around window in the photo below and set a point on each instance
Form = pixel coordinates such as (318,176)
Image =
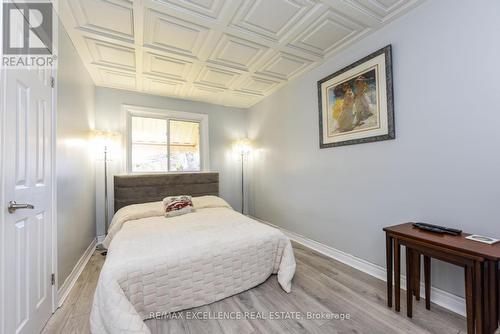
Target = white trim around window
(130,111)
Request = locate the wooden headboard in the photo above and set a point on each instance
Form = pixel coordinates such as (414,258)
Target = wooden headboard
(143,188)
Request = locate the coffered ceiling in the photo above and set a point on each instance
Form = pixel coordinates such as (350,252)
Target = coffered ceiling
(228,52)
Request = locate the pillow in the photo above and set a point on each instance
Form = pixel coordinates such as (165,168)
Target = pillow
(209,201)
(177,205)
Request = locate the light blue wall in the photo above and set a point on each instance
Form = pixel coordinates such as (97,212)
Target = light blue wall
(75,168)
(443,168)
(226,125)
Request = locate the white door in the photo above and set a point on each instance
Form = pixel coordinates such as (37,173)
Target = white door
(27,180)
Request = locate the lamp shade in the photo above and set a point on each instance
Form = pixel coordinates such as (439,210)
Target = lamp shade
(104,138)
(243,146)
(107,142)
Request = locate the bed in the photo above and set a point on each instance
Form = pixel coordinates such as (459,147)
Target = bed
(157,265)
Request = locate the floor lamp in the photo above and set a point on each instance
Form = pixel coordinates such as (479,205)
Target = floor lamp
(243,149)
(104,141)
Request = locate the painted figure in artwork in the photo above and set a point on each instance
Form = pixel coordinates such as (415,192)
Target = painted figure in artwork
(337,107)
(361,101)
(346,117)
(353,104)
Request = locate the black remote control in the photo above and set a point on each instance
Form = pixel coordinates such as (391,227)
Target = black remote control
(437,228)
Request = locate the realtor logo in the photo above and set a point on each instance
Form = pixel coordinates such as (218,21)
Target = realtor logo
(27,28)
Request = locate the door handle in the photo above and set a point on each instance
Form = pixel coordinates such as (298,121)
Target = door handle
(13,206)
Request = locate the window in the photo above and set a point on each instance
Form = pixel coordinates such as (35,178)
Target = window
(166,141)
(184,145)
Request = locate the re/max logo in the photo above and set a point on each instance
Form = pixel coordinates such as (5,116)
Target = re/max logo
(27,28)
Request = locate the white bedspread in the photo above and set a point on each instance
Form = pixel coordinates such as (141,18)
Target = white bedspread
(158,264)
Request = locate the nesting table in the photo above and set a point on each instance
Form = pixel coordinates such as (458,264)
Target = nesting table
(479,261)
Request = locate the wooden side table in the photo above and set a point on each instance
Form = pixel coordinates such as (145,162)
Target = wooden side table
(480,263)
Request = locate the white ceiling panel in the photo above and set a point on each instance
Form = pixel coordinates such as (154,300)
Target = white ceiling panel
(236,52)
(171,34)
(258,85)
(95,16)
(204,93)
(162,87)
(382,9)
(208,8)
(259,16)
(112,55)
(164,66)
(229,52)
(118,79)
(284,66)
(217,77)
(327,33)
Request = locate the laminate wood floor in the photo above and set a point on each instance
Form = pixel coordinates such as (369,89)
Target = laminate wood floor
(320,285)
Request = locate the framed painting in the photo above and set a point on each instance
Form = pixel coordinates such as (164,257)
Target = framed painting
(356,103)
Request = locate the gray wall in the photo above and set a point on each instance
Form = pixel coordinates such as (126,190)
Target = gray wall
(75,168)
(225,126)
(442,168)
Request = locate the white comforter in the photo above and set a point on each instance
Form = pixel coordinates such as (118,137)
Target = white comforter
(158,264)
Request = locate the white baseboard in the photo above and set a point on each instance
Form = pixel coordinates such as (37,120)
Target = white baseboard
(440,297)
(100,239)
(70,281)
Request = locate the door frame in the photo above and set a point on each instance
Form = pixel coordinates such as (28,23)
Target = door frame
(53,148)
(53,225)
(2,184)
(55,51)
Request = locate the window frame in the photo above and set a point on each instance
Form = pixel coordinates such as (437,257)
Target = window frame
(165,114)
